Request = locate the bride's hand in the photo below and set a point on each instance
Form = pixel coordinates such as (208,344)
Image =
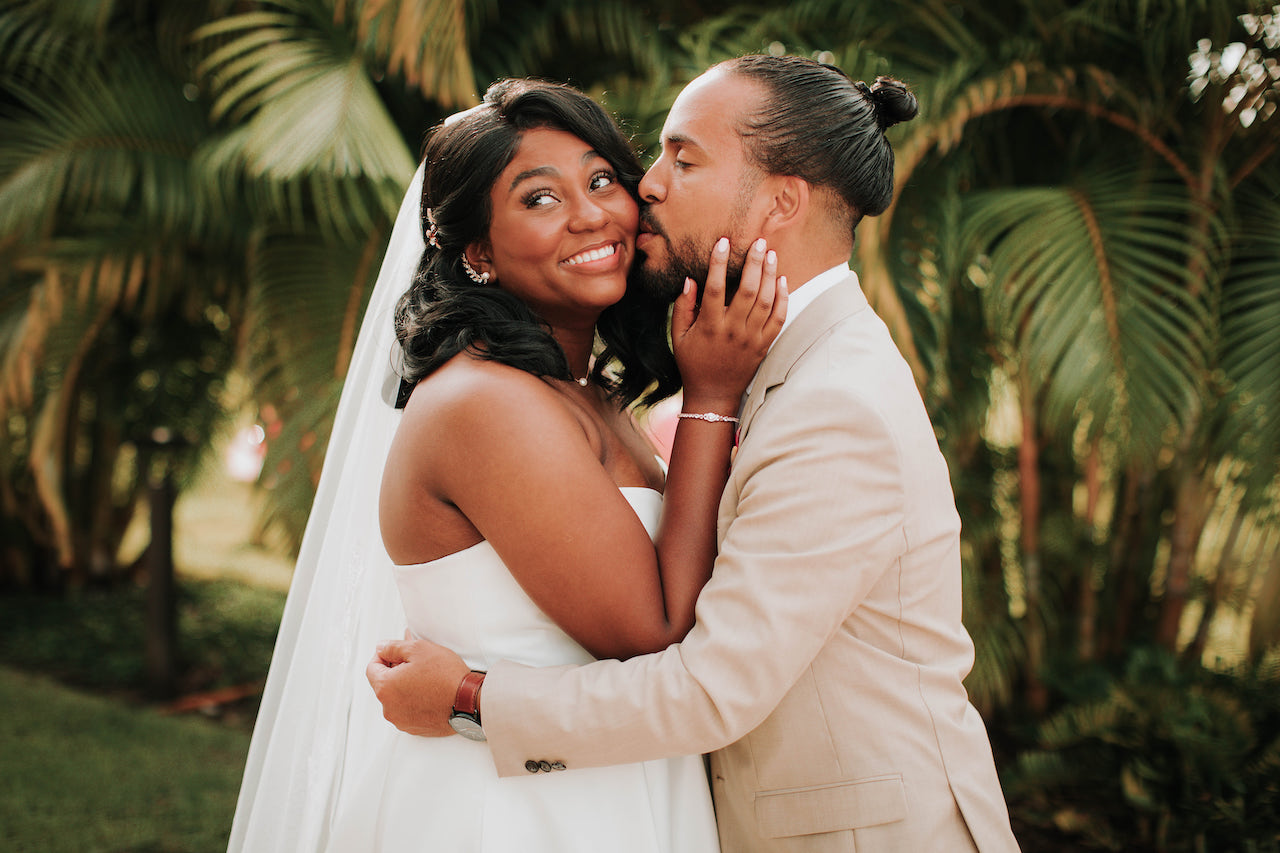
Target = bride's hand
(717,346)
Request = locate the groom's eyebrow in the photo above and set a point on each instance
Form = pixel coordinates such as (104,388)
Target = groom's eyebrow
(550,170)
(682,141)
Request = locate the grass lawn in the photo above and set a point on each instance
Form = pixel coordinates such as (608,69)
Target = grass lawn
(85,765)
(82,773)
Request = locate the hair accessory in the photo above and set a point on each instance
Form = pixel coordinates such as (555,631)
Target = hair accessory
(432,230)
(477,277)
(709,417)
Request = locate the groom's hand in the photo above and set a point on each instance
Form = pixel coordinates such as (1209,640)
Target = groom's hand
(416,681)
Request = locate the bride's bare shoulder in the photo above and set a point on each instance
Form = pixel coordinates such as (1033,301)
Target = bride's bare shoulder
(470,398)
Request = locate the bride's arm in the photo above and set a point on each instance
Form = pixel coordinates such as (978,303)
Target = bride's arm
(718,355)
(502,448)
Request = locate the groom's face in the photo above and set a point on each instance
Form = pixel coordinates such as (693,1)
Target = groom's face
(702,187)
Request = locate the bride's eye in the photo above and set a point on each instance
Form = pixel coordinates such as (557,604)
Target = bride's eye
(602,179)
(539,198)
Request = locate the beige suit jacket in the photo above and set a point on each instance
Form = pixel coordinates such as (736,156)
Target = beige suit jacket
(824,672)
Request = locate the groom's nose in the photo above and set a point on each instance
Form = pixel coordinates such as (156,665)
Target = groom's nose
(653,186)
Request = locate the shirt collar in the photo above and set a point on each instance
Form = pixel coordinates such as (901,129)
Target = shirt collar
(806,294)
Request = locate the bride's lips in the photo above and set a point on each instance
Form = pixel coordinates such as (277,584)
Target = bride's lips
(599,256)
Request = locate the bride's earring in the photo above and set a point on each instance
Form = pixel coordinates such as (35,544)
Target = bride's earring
(477,277)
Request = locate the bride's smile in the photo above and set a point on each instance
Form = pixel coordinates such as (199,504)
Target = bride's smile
(562,235)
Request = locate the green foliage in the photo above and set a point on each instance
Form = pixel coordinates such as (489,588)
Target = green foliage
(1081,263)
(1087,281)
(1171,757)
(305,128)
(1250,351)
(116,316)
(1082,266)
(96,638)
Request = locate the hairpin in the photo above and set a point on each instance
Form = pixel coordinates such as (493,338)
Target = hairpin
(432,230)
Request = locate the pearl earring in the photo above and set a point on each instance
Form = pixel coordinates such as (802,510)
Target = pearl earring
(477,277)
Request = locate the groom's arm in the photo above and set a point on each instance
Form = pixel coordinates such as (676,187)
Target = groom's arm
(819,519)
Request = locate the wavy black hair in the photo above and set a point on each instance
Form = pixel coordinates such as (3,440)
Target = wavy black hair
(444,312)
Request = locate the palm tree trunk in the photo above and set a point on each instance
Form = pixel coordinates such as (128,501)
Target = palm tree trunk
(1188,524)
(877,286)
(161,647)
(104,533)
(1087,644)
(1126,545)
(1029,498)
(1264,626)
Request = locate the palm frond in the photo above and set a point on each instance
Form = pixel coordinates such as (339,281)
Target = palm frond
(424,41)
(309,294)
(611,41)
(1250,346)
(38,36)
(307,120)
(1089,287)
(104,142)
(304,286)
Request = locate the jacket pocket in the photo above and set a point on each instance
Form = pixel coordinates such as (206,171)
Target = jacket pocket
(831,808)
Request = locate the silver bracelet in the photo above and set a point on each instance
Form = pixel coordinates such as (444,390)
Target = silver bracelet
(709,417)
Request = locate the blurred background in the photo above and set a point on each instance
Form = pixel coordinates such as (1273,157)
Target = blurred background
(1082,268)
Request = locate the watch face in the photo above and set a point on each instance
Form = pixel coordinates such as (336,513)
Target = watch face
(467,727)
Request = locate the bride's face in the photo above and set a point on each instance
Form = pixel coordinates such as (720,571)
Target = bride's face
(562,235)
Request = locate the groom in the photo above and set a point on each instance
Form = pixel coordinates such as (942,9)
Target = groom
(825,670)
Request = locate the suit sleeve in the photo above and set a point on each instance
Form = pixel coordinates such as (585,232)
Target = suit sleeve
(819,520)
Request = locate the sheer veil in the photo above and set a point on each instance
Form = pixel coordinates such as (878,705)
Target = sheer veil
(318,714)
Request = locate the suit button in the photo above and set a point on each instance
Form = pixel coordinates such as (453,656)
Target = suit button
(544,766)
(557,765)
(532,766)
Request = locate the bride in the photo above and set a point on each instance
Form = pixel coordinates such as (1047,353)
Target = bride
(521,514)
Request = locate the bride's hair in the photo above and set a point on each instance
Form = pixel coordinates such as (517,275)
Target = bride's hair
(444,312)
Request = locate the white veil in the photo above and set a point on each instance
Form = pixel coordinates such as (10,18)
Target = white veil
(318,713)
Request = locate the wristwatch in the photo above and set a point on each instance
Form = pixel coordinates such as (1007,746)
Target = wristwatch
(465,716)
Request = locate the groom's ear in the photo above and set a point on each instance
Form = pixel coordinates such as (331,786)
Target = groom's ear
(788,203)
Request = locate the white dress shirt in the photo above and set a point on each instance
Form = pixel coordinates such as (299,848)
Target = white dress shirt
(804,296)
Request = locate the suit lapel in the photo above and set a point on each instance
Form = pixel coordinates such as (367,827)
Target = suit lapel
(843,300)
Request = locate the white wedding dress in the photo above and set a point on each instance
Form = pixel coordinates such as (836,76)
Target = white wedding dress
(442,794)
(325,771)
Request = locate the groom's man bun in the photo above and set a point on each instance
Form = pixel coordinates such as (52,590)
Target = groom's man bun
(817,124)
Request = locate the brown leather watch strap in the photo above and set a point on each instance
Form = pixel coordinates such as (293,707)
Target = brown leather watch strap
(467,699)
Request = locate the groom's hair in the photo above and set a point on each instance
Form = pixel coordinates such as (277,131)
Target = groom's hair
(816,123)
(445,313)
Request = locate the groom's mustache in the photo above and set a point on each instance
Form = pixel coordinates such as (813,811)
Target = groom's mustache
(650,224)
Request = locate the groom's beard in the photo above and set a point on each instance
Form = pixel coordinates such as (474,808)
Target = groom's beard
(685,259)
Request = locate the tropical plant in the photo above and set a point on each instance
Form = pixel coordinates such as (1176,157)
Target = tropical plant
(1168,757)
(322,102)
(115,299)
(1081,266)
(1069,269)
